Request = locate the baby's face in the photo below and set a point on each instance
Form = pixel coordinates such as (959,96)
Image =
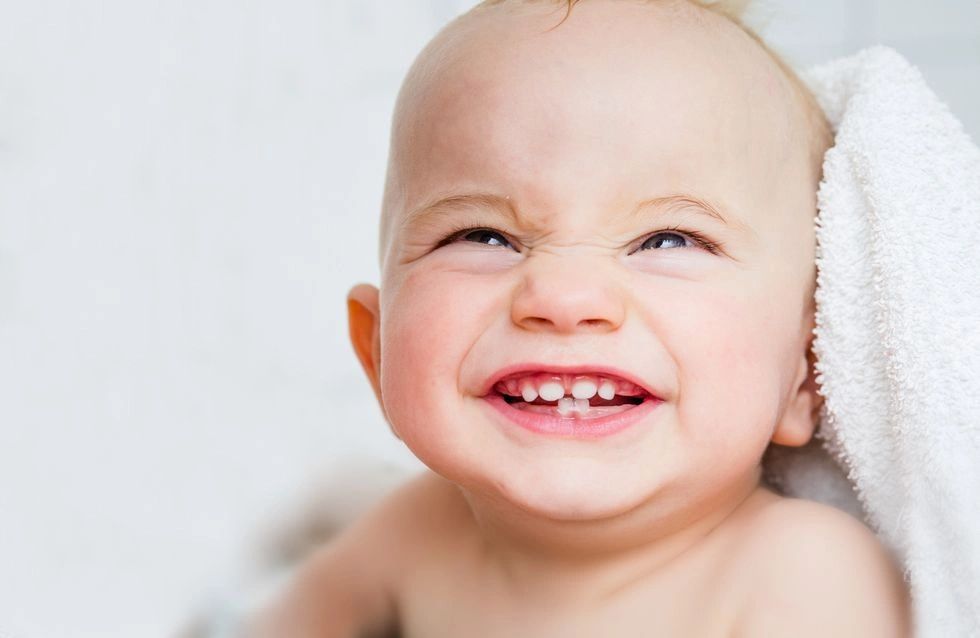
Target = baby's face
(545,145)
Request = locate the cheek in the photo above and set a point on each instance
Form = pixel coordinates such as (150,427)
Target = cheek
(730,350)
(427,327)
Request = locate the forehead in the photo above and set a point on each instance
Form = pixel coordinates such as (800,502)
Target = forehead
(624,101)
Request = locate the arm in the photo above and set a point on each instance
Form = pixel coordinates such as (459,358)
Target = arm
(332,597)
(346,589)
(825,574)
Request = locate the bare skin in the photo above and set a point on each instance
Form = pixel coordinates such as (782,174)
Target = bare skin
(419,566)
(663,529)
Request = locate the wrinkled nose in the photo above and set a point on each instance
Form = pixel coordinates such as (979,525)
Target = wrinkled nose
(568,295)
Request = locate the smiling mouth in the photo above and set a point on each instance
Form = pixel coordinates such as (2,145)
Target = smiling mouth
(569,396)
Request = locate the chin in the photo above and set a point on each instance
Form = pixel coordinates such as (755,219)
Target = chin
(565,496)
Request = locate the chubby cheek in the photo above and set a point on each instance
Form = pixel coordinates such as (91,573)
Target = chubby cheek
(729,349)
(429,322)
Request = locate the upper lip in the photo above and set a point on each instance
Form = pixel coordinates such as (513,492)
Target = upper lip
(594,369)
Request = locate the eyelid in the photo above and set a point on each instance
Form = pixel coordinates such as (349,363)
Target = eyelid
(694,236)
(465,229)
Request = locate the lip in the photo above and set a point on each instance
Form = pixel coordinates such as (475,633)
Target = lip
(570,427)
(598,369)
(575,428)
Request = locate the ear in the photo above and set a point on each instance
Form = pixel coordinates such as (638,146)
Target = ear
(364,326)
(800,417)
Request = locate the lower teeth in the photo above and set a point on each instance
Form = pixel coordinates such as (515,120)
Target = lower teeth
(568,405)
(569,410)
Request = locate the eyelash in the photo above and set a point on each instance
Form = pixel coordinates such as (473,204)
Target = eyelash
(466,230)
(712,247)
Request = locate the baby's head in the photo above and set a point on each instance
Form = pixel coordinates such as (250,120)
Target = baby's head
(628,196)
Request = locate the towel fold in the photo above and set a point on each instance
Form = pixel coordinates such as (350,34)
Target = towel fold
(897,334)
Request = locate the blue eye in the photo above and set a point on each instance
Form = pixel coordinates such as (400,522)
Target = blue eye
(678,238)
(484,236)
(674,238)
(479,236)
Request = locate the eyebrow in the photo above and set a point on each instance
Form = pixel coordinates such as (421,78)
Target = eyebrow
(657,206)
(464,200)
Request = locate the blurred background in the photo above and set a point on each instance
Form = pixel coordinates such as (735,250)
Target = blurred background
(187,191)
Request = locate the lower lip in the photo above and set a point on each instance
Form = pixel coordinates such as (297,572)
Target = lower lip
(576,428)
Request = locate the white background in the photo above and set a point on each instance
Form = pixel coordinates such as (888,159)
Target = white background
(187,191)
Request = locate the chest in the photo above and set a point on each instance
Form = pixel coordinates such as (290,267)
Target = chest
(447,601)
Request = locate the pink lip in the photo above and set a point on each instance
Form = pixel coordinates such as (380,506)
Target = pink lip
(579,369)
(577,428)
(569,427)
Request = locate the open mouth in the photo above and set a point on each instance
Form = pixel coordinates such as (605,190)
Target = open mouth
(570,396)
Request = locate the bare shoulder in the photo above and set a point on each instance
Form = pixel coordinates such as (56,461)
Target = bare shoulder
(813,570)
(349,586)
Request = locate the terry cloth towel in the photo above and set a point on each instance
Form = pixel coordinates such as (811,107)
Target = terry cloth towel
(897,336)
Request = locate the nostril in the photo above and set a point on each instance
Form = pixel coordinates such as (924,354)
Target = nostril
(541,323)
(593,323)
(537,323)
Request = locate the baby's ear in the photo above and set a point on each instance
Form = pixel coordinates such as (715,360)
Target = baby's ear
(802,412)
(363,324)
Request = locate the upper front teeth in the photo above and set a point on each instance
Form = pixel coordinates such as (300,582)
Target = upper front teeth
(551,391)
(583,389)
(555,387)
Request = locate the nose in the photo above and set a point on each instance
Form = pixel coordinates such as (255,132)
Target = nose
(568,294)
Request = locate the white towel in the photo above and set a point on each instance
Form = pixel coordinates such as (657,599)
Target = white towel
(897,333)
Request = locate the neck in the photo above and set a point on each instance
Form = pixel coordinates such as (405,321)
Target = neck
(590,558)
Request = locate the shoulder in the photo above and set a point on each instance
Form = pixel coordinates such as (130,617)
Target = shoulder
(812,569)
(350,584)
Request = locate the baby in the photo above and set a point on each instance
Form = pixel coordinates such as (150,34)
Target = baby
(595,315)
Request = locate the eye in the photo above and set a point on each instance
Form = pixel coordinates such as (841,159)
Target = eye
(679,238)
(658,240)
(486,236)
